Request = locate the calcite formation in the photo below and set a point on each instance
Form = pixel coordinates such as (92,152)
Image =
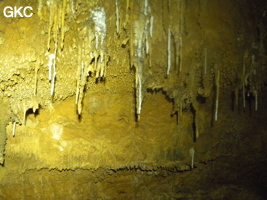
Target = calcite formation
(112,87)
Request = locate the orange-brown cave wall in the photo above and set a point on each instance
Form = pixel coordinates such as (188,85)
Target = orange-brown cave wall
(133,100)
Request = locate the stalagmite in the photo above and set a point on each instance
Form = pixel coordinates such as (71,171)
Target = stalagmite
(217,94)
(169,51)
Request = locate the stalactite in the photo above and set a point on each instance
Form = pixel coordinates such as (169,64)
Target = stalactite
(181,24)
(81,75)
(78,72)
(96,52)
(40,6)
(236,92)
(36,78)
(256,99)
(51,18)
(139,92)
(192,154)
(57,12)
(53,72)
(147,38)
(151,25)
(50,65)
(72,6)
(181,54)
(140,48)
(217,77)
(63,11)
(250,81)
(169,51)
(117,17)
(132,33)
(27,104)
(14,129)
(243,85)
(127,5)
(146,6)
(4,117)
(24,113)
(139,42)
(205,61)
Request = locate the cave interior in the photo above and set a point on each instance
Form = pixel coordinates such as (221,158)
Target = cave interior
(133,99)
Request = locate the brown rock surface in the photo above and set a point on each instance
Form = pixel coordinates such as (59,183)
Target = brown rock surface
(128,106)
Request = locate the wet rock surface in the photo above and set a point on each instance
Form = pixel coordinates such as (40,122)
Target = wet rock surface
(133,100)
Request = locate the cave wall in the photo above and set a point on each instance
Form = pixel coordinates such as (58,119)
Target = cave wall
(125,85)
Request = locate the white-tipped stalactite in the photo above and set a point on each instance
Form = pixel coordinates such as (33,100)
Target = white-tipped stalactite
(140,48)
(92,52)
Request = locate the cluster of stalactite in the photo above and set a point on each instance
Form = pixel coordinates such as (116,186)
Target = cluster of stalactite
(92,57)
